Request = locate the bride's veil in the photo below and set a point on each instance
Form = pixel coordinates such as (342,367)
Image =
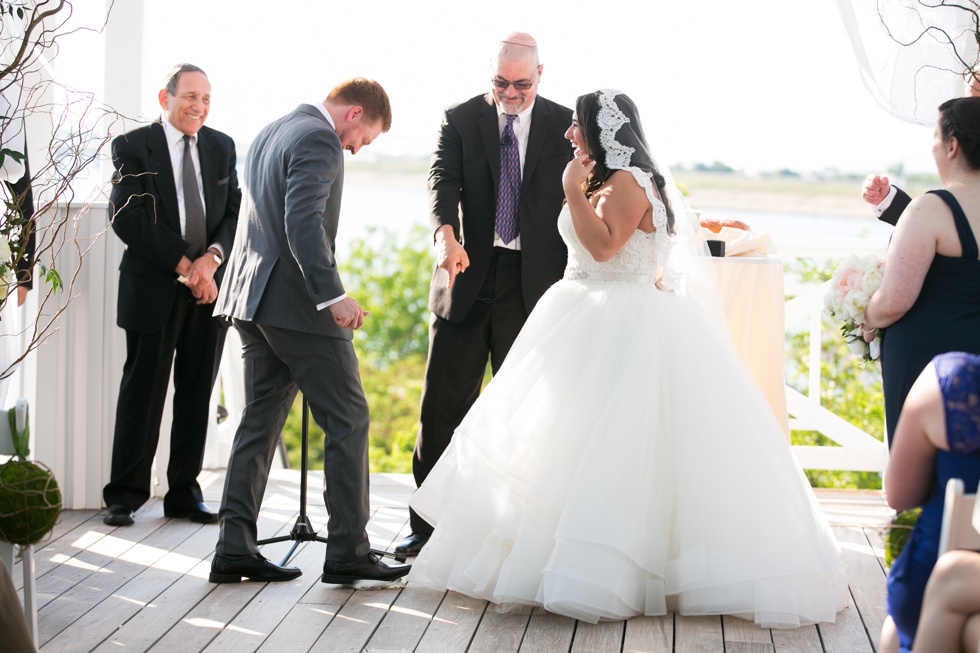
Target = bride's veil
(688,270)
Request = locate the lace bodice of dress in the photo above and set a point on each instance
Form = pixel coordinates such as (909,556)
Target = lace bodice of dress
(637,261)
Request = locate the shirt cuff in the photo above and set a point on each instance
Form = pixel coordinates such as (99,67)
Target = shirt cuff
(221,250)
(329,302)
(885,203)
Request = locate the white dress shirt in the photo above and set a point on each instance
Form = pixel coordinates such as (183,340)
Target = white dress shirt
(175,145)
(326,114)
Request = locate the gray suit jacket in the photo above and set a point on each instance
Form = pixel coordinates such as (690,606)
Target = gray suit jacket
(282,265)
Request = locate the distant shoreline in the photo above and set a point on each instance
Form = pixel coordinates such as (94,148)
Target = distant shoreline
(704,191)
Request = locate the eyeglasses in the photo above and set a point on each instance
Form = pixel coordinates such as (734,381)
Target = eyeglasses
(504,83)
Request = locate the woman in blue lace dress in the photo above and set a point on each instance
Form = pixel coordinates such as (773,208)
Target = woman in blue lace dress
(937,438)
(929,300)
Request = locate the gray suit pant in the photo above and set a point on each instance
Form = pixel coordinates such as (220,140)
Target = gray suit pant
(278,363)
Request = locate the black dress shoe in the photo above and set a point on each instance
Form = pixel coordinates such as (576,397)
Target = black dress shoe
(199,513)
(118,515)
(368,568)
(410,546)
(231,569)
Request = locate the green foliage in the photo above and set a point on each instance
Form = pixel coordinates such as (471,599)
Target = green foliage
(851,387)
(390,280)
(898,533)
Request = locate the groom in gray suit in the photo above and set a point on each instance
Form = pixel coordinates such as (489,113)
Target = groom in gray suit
(284,294)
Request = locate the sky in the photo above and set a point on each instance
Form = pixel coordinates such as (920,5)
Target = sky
(758,84)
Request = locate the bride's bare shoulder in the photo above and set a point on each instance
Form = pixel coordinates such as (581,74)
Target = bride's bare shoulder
(624,185)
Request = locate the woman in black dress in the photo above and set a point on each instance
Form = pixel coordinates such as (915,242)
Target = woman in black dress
(929,300)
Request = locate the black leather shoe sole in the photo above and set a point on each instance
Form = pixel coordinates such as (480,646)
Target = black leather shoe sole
(259,578)
(367,569)
(353,577)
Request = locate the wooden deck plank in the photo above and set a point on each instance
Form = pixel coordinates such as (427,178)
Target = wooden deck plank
(649,635)
(741,631)
(847,634)
(453,624)
(80,624)
(356,622)
(698,634)
(140,595)
(300,629)
(407,620)
(866,578)
(501,632)
(164,602)
(797,640)
(263,614)
(161,615)
(547,633)
(58,540)
(96,548)
(603,637)
(196,612)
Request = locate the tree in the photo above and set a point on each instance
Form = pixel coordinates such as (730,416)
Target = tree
(29,31)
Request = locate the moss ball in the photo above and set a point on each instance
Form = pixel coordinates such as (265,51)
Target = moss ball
(30,502)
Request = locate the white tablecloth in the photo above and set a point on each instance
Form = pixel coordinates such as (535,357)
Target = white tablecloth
(752,290)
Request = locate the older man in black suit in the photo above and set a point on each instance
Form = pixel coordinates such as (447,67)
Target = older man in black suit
(175,201)
(494,195)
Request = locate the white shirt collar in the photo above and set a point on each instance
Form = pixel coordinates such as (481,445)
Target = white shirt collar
(326,114)
(523,115)
(174,135)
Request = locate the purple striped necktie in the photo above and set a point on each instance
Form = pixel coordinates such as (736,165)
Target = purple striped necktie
(509,193)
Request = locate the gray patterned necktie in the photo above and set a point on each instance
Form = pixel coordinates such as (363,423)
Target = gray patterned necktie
(195,226)
(509,192)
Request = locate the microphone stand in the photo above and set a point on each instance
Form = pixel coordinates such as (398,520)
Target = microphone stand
(303,530)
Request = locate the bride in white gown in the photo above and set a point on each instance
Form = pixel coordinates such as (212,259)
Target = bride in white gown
(623,461)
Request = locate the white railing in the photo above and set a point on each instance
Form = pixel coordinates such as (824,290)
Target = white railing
(858,450)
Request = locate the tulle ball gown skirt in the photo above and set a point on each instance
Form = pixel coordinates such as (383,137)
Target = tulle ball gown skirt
(623,462)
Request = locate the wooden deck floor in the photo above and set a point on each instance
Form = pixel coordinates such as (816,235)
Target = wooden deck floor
(144,588)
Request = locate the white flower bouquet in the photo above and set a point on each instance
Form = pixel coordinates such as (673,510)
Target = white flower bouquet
(851,287)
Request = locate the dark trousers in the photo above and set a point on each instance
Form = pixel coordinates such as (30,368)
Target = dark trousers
(190,343)
(278,363)
(457,362)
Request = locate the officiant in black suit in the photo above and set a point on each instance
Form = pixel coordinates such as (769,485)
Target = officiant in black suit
(494,197)
(175,200)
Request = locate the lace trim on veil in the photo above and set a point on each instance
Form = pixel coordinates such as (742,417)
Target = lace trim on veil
(618,155)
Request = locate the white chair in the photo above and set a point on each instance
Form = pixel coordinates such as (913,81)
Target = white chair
(6,548)
(961,514)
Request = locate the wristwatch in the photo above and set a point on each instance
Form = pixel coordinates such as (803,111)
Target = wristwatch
(215,255)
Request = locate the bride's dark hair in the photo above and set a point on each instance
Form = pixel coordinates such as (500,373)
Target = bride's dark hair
(630,134)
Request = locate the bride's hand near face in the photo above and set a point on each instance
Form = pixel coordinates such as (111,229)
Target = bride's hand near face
(576,172)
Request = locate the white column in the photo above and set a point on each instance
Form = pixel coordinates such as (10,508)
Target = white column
(79,367)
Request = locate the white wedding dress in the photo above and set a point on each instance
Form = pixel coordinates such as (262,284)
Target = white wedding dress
(624,462)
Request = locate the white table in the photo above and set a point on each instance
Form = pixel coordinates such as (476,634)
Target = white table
(752,291)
